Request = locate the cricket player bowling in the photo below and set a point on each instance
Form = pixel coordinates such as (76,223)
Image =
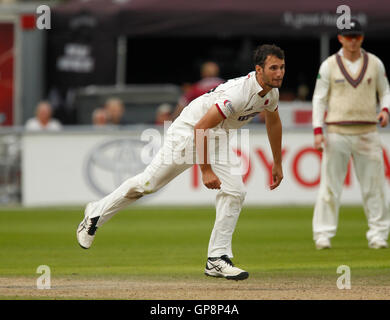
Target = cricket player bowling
(229,106)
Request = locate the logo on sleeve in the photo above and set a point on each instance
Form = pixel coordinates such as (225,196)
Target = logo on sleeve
(229,106)
(248,116)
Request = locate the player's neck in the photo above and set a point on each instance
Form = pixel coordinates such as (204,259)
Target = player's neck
(263,92)
(265,88)
(351,55)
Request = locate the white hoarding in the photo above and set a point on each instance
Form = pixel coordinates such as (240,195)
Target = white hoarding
(73,168)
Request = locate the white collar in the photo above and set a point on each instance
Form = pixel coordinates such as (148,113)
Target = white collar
(256,84)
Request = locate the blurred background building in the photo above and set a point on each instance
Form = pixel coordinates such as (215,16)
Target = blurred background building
(148,54)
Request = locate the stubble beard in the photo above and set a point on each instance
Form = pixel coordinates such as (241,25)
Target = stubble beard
(269,84)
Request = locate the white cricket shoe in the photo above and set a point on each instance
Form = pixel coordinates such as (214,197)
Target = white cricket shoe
(87,229)
(323,243)
(223,267)
(378,244)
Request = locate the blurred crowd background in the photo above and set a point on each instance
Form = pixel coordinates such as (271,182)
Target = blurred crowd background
(141,61)
(119,63)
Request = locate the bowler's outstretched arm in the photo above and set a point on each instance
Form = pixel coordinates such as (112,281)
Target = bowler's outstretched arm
(210,120)
(274,131)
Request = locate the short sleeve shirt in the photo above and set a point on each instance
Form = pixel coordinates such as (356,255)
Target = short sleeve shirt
(200,88)
(34,125)
(237,100)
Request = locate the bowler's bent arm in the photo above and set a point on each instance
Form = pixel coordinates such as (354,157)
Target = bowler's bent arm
(274,131)
(210,120)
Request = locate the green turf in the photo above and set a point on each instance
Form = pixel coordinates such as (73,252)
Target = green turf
(158,242)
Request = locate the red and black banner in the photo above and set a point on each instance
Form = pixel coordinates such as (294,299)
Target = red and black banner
(6,74)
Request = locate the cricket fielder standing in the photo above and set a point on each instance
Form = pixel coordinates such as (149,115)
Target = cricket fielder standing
(229,106)
(347,84)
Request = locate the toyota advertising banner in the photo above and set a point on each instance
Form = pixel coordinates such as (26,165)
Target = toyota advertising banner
(73,168)
(6,74)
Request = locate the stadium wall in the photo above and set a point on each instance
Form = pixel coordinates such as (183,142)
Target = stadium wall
(75,167)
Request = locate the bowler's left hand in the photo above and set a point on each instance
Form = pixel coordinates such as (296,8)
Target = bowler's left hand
(383,118)
(277,176)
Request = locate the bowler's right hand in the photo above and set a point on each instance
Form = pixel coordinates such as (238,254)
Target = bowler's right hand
(319,142)
(210,179)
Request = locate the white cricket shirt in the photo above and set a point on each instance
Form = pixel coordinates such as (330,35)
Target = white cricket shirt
(320,96)
(33,124)
(238,101)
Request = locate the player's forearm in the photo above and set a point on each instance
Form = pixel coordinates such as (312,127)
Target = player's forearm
(383,87)
(320,97)
(319,107)
(274,131)
(210,120)
(385,103)
(384,96)
(201,147)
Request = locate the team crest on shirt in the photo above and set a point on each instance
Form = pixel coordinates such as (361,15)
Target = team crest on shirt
(248,116)
(228,105)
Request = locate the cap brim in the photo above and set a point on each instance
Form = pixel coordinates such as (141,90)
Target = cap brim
(351,33)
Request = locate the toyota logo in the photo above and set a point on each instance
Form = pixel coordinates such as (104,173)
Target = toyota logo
(110,163)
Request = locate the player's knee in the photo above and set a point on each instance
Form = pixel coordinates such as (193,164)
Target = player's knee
(140,187)
(148,187)
(242,195)
(329,195)
(230,203)
(134,193)
(239,192)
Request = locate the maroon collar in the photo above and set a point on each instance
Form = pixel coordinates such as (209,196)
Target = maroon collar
(353,82)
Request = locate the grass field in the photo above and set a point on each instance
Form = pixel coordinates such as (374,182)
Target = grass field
(152,248)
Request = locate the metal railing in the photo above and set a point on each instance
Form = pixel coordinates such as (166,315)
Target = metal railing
(10,166)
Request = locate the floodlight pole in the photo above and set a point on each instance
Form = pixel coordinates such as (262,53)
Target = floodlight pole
(324,46)
(121,60)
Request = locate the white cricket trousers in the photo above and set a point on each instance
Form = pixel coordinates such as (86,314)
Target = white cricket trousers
(177,141)
(367,157)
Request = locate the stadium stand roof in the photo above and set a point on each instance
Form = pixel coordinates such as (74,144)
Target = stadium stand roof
(218,17)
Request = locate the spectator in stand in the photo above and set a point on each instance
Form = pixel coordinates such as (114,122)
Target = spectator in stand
(287,95)
(302,92)
(163,113)
(99,117)
(209,80)
(115,110)
(43,119)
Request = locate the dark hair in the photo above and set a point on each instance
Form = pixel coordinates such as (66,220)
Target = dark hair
(265,50)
